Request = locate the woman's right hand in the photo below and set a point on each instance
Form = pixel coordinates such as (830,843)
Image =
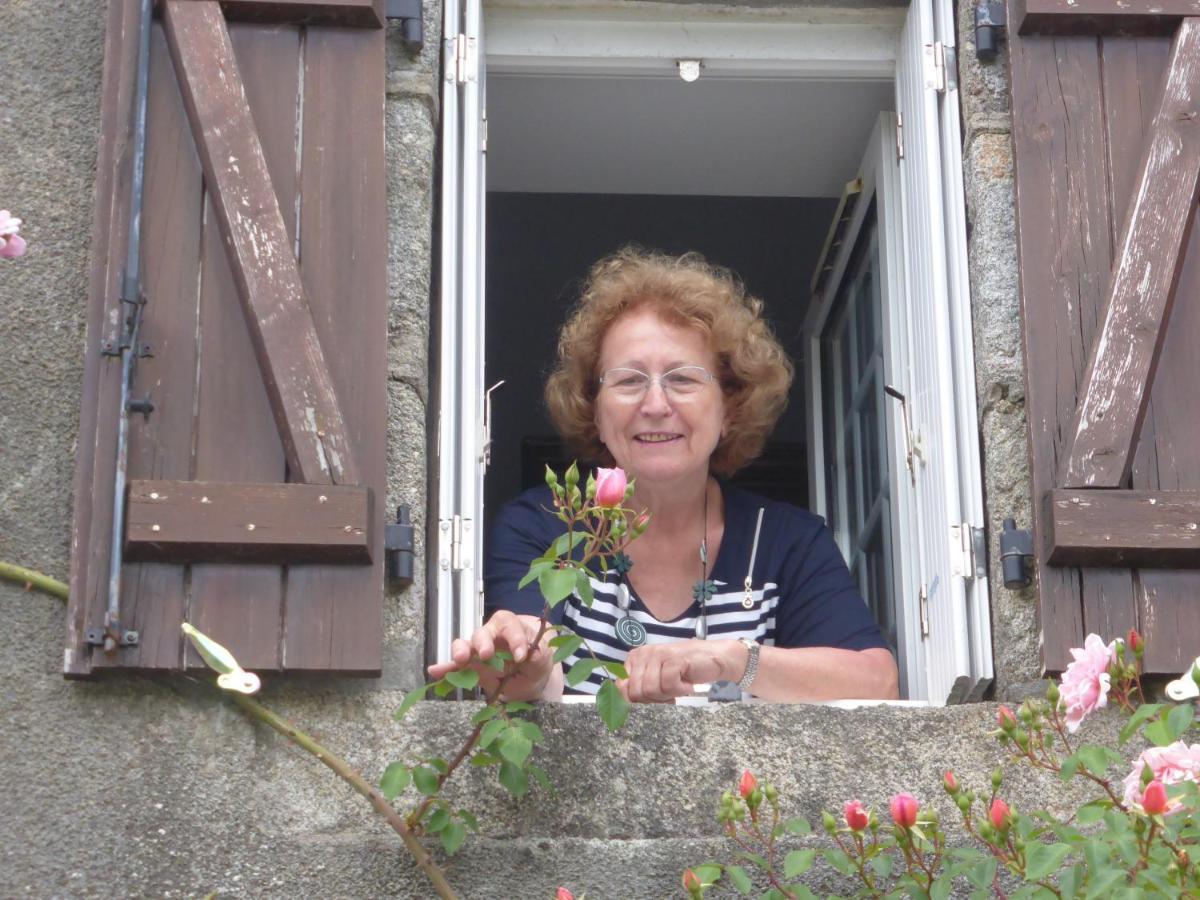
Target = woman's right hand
(537,676)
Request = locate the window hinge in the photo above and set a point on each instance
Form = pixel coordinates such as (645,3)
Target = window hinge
(924,611)
(968,551)
(899,137)
(483,136)
(935,66)
(465,53)
(450,555)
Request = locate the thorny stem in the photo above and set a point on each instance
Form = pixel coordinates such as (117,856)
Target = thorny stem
(772,878)
(351,776)
(859,864)
(33,580)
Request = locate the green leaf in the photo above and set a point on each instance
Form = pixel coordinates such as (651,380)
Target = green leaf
(442,767)
(543,780)
(465,679)
(488,712)
(514,779)
(396,777)
(582,669)
(1180,718)
(453,836)
(798,862)
(882,864)
(941,887)
(556,584)
(439,820)
(482,759)
(426,780)
(1093,811)
(410,700)
(1096,759)
(1102,882)
(1069,767)
(839,861)
(514,746)
(443,688)
(559,547)
(739,879)
(495,663)
(469,819)
(491,731)
(797,825)
(613,708)
(528,729)
(1070,881)
(708,873)
(516,706)
(759,861)
(536,568)
(616,669)
(568,644)
(1140,715)
(218,658)
(1043,859)
(583,585)
(982,874)
(1160,732)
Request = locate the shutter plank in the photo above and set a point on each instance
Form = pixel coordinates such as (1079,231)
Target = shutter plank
(264,267)
(242,605)
(343,227)
(1064,243)
(1123,528)
(1092,17)
(1115,385)
(152,594)
(360,13)
(93,481)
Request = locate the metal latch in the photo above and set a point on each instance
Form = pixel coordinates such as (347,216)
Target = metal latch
(1016,547)
(398,548)
(409,15)
(989,29)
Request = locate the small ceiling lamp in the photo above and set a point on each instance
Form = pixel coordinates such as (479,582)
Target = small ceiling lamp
(689,69)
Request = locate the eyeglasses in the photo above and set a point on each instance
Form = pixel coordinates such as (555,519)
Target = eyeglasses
(678,384)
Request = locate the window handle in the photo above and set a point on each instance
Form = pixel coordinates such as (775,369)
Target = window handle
(485,453)
(912,445)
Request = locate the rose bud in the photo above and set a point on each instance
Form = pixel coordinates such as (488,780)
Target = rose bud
(1154,798)
(1135,643)
(904,810)
(610,487)
(563,894)
(747,784)
(999,815)
(856,816)
(950,783)
(1005,718)
(692,883)
(829,823)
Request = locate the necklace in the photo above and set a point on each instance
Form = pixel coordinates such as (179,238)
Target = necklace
(632,632)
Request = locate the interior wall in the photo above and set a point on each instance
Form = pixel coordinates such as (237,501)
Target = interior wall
(540,247)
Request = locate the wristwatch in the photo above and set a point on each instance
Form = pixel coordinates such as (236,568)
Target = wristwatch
(747,678)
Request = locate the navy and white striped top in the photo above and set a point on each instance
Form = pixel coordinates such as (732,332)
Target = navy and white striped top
(803,593)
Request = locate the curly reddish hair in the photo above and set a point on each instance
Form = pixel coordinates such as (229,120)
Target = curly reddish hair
(755,372)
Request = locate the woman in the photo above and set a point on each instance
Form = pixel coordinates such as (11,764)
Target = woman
(667,370)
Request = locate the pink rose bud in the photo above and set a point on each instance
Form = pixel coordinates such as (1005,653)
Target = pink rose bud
(1005,718)
(1135,642)
(904,810)
(610,487)
(747,784)
(563,894)
(856,817)
(999,814)
(692,883)
(950,783)
(1154,799)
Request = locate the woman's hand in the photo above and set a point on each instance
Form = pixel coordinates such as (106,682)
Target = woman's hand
(534,678)
(658,673)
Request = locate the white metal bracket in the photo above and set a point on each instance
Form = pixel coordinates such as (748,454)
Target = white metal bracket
(899,137)
(968,550)
(935,66)
(465,53)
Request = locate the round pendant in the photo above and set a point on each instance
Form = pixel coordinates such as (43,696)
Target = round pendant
(631,631)
(748,601)
(623,596)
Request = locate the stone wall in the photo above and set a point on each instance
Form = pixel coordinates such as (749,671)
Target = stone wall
(158,787)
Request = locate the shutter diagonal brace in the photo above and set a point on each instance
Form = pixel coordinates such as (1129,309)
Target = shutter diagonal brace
(277,312)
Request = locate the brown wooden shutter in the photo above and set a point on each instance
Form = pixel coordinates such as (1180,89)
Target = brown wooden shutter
(1106,132)
(254,505)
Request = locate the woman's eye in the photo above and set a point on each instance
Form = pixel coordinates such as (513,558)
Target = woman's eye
(629,381)
(680,382)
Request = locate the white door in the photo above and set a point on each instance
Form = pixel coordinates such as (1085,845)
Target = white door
(462,401)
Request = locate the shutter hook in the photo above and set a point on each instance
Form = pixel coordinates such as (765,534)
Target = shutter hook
(485,453)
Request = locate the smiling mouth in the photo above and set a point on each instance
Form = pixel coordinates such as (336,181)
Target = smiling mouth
(656,437)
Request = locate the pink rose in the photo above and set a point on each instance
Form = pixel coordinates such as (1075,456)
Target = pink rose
(950,783)
(999,814)
(1086,682)
(856,817)
(1154,798)
(12,244)
(1170,765)
(610,487)
(1005,718)
(904,810)
(747,783)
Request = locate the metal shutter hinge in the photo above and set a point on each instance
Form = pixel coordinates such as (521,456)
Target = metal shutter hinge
(1016,555)
(990,27)
(398,548)
(968,551)
(408,14)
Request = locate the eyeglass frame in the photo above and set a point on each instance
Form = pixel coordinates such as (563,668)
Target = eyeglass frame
(709,378)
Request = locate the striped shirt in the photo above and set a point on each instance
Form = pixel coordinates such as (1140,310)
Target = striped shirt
(802,592)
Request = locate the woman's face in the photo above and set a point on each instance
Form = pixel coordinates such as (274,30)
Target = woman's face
(657,437)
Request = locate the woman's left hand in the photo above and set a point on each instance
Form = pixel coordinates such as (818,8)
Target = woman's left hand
(658,673)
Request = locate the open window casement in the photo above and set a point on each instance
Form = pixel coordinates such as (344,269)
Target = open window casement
(463,404)
(909,532)
(256,470)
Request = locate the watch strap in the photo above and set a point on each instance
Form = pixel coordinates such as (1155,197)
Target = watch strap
(752,649)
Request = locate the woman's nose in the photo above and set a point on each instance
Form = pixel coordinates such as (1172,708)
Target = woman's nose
(655,401)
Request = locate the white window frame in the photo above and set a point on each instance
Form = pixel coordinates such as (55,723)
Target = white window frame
(624,40)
